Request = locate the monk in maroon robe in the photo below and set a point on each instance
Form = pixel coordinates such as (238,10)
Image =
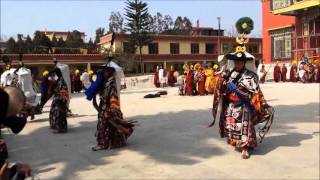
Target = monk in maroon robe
(284,73)
(156,81)
(277,73)
(201,82)
(171,79)
(293,73)
(189,82)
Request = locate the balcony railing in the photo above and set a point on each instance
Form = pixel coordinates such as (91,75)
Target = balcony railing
(288,7)
(279,4)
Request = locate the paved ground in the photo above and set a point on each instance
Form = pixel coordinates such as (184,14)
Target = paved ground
(173,143)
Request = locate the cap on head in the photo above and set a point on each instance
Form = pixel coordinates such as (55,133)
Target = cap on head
(45,73)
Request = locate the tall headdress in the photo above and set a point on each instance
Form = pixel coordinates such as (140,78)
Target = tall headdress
(244,27)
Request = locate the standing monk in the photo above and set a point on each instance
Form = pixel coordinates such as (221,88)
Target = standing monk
(189,81)
(156,81)
(201,82)
(284,73)
(171,78)
(277,72)
(293,71)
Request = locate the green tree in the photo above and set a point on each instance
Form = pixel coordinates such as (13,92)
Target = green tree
(99,34)
(182,25)
(115,22)
(11,46)
(74,40)
(138,25)
(20,44)
(29,45)
(92,48)
(167,23)
(45,44)
(37,41)
(54,41)
(69,40)
(126,61)
(41,43)
(61,43)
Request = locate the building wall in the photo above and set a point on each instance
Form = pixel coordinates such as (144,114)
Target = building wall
(270,21)
(305,42)
(164,47)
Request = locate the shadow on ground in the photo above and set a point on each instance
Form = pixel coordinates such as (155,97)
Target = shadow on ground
(173,137)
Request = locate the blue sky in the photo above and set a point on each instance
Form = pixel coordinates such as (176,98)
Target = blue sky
(27,16)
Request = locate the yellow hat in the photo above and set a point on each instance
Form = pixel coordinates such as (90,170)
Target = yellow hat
(197,66)
(316,62)
(215,66)
(45,73)
(185,66)
(90,72)
(77,71)
(294,62)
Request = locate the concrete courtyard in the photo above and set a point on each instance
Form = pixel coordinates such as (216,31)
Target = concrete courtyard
(172,141)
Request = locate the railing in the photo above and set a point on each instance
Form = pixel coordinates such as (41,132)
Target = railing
(279,4)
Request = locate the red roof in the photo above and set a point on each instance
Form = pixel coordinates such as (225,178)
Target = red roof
(34,58)
(3,43)
(59,32)
(107,38)
(202,28)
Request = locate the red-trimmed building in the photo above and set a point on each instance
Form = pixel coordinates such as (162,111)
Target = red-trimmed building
(39,62)
(3,46)
(200,46)
(291,30)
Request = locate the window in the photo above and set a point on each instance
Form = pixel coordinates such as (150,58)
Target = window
(210,49)
(282,47)
(153,48)
(194,48)
(174,48)
(305,29)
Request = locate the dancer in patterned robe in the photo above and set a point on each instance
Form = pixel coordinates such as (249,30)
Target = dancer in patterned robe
(238,100)
(112,129)
(59,106)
